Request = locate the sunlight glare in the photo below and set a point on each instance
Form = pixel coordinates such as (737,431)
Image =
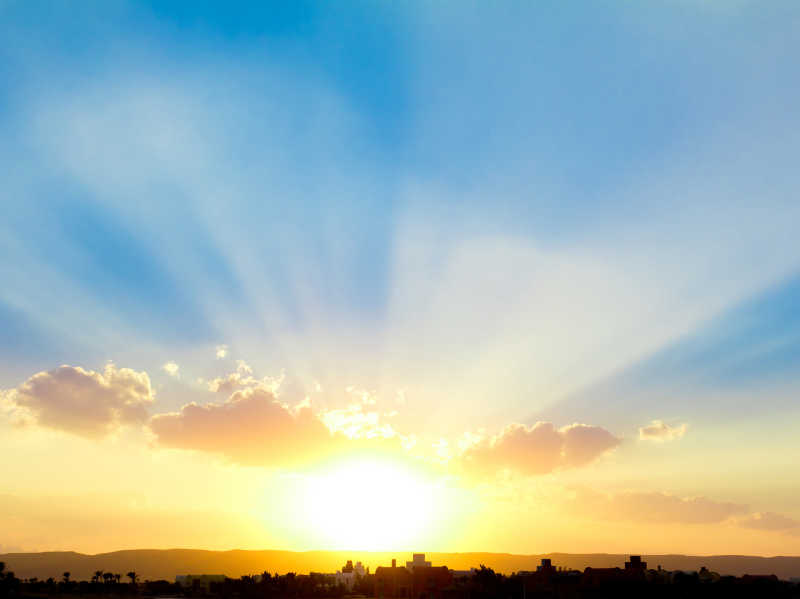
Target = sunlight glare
(369,504)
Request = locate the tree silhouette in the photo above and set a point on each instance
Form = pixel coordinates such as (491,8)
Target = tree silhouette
(107,576)
(66,576)
(133,576)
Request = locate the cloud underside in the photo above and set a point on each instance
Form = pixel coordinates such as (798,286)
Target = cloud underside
(84,402)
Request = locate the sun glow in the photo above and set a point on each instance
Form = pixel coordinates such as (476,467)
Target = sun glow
(370,504)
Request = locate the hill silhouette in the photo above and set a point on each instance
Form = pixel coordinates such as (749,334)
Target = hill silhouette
(154,564)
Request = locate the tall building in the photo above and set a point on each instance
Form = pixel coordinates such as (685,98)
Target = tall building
(418,580)
(392,581)
(349,574)
(636,564)
(417,561)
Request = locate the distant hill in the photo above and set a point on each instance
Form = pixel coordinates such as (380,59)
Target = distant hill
(153,564)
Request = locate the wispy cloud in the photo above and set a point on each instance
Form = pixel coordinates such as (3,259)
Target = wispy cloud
(653,507)
(657,430)
(768,521)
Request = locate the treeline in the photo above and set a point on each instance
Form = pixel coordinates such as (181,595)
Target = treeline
(101,583)
(618,584)
(263,586)
(312,585)
(482,583)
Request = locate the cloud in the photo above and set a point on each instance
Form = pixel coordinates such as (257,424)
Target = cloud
(253,427)
(664,508)
(539,449)
(768,521)
(355,423)
(171,368)
(221,351)
(658,431)
(243,378)
(652,506)
(84,402)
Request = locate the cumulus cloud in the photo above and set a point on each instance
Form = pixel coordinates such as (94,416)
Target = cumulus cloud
(768,521)
(659,431)
(538,449)
(652,506)
(84,402)
(221,351)
(254,427)
(171,368)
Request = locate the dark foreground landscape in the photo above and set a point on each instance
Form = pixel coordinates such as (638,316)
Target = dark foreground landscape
(320,574)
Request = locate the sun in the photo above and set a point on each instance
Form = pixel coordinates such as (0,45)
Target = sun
(370,504)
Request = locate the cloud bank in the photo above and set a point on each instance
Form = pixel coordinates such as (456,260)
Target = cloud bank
(84,402)
(768,521)
(664,508)
(653,506)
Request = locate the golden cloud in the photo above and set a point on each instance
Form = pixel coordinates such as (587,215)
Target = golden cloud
(84,402)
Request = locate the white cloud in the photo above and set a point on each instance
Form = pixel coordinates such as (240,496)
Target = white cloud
(243,378)
(221,351)
(659,431)
(171,368)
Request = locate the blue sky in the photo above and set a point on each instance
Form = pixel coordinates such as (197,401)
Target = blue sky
(553,241)
(477,202)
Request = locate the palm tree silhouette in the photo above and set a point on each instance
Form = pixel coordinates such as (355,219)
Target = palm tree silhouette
(133,576)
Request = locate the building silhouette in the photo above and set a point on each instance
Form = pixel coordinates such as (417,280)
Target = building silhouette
(418,580)
(417,561)
(349,573)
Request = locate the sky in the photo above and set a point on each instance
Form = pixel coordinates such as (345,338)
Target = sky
(450,276)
